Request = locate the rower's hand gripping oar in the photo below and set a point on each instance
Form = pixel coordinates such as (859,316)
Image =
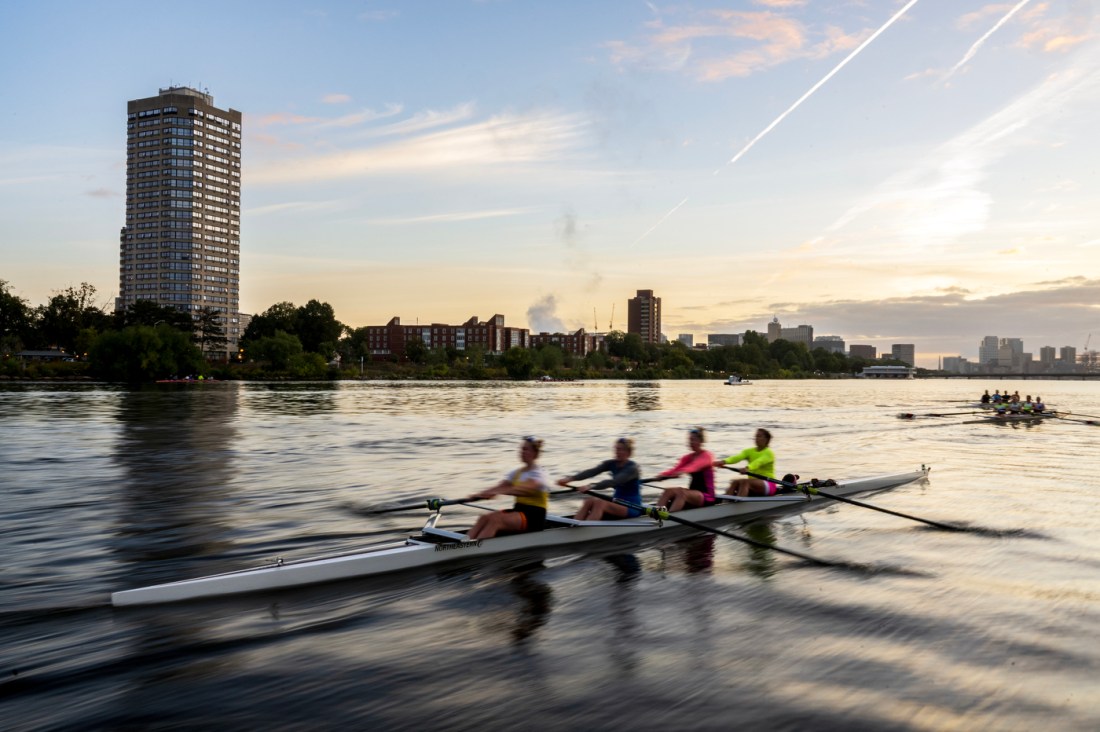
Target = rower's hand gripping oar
(434,504)
(809,488)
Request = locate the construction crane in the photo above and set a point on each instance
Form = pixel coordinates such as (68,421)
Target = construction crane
(611,323)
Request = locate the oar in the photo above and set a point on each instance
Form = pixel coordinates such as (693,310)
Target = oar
(910,415)
(1079,421)
(432,504)
(810,488)
(662,514)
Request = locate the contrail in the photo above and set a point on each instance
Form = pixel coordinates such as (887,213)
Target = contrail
(663,218)
(794,106)
(827,76)
(978,43)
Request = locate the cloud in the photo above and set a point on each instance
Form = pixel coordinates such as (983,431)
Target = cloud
(457,216)
(426,120)
(377,16)
(946,196)
(101,193)
(279,118)
(498,141)
(292,206)
(715,45)
(360,117)
(336,98)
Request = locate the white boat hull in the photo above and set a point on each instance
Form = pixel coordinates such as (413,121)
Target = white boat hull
(415,553)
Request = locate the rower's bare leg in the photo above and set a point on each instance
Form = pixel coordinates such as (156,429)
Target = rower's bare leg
(752,487)
(606,511)
(685,497)
(491,524)
(691,498)
(586,510)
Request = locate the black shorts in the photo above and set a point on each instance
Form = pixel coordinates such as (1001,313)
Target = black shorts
(534,517)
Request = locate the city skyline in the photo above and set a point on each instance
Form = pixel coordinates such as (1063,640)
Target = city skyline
(913,172)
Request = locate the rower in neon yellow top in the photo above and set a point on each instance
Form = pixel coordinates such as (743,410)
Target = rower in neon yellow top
(761,461)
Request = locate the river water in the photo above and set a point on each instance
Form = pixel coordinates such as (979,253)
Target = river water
(106,488)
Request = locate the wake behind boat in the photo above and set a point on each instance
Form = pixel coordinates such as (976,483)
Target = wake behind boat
(436,546)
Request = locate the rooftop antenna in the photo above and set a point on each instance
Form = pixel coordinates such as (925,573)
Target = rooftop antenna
(611,323)
(595,322)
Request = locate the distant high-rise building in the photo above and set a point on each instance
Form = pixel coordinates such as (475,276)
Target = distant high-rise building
(723,339)
(904,352)
(987,351)
(832,344)
(688,339)
(797,334)
(866,352)
(775,330)
(644,316)
(1047,356)
(181,243)
(956,365)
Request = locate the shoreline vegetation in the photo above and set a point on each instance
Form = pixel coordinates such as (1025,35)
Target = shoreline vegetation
(148,342)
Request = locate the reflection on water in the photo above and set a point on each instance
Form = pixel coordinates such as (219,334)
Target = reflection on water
(699,556)
(294,399)
(175,451)
(537,599)
(643,396)
(761,561)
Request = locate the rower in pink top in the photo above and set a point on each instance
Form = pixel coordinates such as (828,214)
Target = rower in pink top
(699,464)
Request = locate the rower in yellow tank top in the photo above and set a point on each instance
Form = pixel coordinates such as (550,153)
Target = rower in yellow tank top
(531,489)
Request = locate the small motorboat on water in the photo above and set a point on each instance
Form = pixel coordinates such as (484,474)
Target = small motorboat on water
(735,380)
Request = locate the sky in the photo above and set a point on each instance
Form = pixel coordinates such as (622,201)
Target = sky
(888,171)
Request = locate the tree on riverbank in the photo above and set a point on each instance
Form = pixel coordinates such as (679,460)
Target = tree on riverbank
(141,353)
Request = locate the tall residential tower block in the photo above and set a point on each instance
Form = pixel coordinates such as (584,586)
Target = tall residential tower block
(643,316)
(181,243)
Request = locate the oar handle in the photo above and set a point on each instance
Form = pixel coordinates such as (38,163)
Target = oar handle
(434,504)
(663,514)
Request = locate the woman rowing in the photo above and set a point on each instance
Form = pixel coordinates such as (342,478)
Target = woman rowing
(699,464)
(624,479)
(760,462)
(529,485)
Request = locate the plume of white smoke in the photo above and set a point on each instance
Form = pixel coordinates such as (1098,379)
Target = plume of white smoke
(542,316)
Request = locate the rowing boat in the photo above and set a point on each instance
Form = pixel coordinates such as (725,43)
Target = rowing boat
(435,546)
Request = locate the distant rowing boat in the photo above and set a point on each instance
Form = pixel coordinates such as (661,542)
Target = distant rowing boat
(434,546)
(1009,418)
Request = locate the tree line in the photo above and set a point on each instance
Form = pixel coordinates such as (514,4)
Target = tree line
(147,341)
(141,343)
